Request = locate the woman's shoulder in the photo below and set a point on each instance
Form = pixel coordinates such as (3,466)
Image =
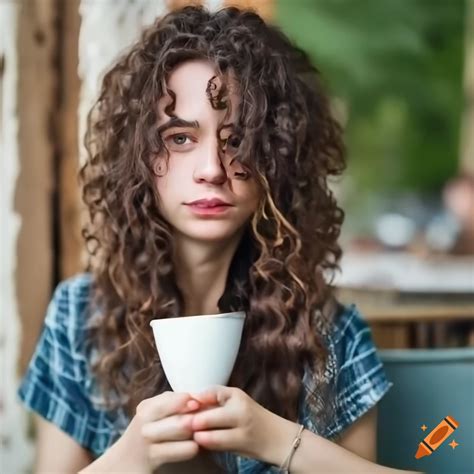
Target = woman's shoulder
(361,380)
(71,299)
(354,369)
(58,383)
(342,327)
(350,341)
(76,288)
(348,324)
(71,313)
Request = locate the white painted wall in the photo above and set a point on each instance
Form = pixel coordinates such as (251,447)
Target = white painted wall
(15,450)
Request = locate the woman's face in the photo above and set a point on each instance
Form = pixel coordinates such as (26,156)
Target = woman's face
(201,164)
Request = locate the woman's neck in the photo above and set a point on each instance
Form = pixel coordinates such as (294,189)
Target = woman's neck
(202,270)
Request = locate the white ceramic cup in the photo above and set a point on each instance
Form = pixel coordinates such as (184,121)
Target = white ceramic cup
(197,352)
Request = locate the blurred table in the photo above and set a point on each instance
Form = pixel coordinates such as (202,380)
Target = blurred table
(410,301)
(408,273)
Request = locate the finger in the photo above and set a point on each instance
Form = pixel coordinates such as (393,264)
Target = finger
(207,398)
(220,417)
(218,395)
(164,405)
(175,451)
(218,440)
(172,428)
(191,405)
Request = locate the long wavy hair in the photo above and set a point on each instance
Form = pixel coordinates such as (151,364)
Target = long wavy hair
(290,143)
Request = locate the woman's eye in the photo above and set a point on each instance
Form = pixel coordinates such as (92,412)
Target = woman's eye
(233,142)
(179,139)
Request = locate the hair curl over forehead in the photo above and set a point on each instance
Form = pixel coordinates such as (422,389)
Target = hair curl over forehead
(291,144)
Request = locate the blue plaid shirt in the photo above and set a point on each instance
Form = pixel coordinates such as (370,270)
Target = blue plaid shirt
(58,384)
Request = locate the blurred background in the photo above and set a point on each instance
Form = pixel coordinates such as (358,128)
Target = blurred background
(401,77)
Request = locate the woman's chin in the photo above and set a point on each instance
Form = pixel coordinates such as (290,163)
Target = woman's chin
(212,232)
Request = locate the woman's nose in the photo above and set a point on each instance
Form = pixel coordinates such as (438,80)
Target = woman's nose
(209,166)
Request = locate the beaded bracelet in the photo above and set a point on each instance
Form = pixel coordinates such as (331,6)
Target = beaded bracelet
(284,468)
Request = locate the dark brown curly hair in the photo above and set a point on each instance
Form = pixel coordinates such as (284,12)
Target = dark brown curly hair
(291,144)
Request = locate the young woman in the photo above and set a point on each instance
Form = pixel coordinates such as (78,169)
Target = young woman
(210,149)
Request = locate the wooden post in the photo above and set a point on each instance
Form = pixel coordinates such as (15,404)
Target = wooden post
(37,87)
(68,207)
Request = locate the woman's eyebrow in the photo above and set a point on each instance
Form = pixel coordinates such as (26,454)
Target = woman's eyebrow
(178,122)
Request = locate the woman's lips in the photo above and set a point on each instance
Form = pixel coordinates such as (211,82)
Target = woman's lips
(203,210)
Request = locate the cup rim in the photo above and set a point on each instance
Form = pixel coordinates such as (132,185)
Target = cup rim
(230,315)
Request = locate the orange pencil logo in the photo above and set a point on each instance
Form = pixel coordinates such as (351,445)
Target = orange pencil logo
(437,437)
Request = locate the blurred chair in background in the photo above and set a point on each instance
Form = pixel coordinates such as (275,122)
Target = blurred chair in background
(428,386)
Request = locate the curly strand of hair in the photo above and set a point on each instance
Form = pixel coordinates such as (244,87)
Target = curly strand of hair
(282,223)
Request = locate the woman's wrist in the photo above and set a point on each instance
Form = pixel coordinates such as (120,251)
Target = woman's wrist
(281,437)
(296,442)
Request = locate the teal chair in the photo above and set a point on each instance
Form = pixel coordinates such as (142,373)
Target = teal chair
(428,385)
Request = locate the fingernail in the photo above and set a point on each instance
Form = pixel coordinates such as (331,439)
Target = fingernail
(192,404)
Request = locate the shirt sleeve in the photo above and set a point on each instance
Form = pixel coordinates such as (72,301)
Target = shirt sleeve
(360,380)
(53,385)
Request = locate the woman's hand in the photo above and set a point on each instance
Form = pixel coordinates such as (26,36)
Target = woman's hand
(235,422)
(160,432)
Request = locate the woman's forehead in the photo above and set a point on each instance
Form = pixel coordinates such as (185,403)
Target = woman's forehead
(191,84)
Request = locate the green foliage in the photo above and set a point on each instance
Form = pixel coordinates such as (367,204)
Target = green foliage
(398,66)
